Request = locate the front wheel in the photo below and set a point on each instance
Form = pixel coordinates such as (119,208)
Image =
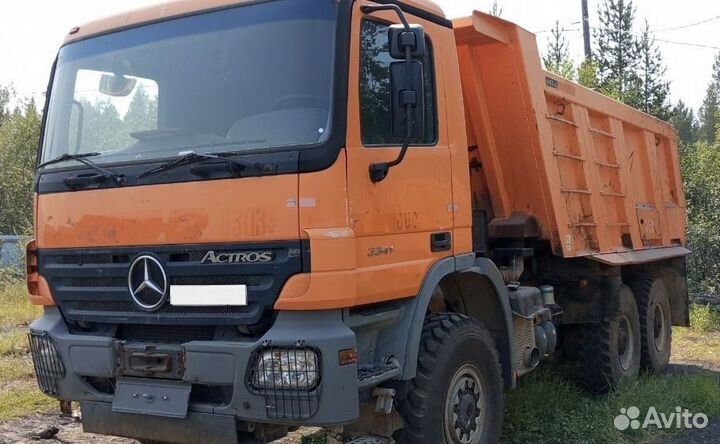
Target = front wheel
(457,395)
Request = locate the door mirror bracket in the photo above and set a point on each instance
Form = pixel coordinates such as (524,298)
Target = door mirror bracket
(406,42)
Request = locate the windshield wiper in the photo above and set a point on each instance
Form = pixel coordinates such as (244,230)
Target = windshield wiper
(67,156)
(118,179)
(232,166)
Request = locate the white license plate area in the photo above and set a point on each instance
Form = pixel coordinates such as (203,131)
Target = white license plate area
(208,295)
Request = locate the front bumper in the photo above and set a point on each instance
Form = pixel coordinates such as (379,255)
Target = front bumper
(217,363)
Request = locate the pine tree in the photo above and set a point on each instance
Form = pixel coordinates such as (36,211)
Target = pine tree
(683,119)
(709,113)
(651,70)
(557,59)
(496,10)
(617,54)
(710,110)
(588,74)
(6,93)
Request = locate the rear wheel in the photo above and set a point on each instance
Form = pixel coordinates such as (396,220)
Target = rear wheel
(457,395)
(655,323)
(610,350)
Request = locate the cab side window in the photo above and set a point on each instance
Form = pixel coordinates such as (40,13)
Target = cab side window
(375,100)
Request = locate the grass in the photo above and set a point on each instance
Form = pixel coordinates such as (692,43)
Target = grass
(15,310)
(689,345)
(14,368)
(22,398)
(547,408)
(705,319)
(19,395)
(13,342)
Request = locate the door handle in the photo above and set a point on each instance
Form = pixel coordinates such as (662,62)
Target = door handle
(440,242)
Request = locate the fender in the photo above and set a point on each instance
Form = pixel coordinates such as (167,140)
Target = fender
(414,314)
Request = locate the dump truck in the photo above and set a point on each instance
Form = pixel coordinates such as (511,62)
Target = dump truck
(253,216)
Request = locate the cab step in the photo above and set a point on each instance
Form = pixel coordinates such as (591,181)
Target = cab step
(370,376)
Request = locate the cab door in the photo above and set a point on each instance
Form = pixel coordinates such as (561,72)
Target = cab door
(404,223)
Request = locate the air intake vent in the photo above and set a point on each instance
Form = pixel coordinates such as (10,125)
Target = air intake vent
(166,334)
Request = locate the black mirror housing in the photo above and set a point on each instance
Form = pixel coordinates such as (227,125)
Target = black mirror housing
(400,39)
(407,96)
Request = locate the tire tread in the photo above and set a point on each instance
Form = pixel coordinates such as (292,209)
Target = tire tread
(436,333)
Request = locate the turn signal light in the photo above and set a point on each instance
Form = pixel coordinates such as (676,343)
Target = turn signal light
(348,357)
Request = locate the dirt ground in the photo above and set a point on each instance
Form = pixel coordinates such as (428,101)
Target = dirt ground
(69,430)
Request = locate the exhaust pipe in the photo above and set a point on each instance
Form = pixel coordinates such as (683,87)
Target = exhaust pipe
(531,357)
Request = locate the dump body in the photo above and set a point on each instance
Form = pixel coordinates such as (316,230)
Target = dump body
(600,177)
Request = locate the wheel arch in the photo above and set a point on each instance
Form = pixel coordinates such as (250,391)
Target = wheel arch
(673,274)
(471,286)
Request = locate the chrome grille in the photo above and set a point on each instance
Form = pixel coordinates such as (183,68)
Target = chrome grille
(129,306)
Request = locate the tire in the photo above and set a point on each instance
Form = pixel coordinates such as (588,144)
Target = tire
(570,338)
(655,323)
(457,395)
(610,350)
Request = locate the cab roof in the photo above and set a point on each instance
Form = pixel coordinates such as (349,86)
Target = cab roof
(180,8)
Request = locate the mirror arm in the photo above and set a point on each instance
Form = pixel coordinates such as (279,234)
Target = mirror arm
(369,9)
(379,171)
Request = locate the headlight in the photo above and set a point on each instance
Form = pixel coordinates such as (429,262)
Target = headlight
(286,369)
(47,362)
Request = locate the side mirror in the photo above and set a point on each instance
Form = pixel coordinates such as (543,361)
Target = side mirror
(406,42)
(408,100)
(401,38)
(116,85)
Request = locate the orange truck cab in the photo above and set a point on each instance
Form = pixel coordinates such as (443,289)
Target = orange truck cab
(258,215)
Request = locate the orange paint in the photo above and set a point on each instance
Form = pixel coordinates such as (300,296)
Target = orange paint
(38,288)
(222,211)
(43,295)
(598,176)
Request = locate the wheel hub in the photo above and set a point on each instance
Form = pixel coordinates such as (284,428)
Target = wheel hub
(463,407)
(659,328)
(625,343)
(467,409)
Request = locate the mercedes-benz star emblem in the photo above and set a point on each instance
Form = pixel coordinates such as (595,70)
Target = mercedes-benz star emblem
(147,282)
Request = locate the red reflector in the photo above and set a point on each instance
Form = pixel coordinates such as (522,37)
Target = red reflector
(348,357)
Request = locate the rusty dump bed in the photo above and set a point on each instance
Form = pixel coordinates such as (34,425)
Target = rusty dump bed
(601,178)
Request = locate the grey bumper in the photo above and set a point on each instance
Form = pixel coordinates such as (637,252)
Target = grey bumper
(221,363)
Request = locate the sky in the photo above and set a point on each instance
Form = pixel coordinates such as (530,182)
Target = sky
(32,30)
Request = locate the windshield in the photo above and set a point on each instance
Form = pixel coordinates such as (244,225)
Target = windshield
(240,79)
